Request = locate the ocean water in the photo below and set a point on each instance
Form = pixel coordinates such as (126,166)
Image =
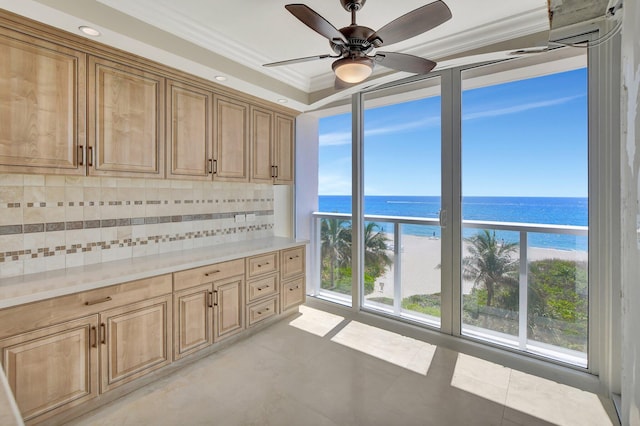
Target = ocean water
(538,210)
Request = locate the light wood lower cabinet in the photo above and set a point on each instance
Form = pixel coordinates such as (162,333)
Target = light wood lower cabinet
(228,307)
(134,340)
(53,368)
(107,337)
(193,319)
(209,305)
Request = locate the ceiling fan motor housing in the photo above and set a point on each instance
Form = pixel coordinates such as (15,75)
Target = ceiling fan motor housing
(357,36)
(350,5)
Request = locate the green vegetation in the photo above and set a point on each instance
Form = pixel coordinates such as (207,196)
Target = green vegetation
(557,289)
(335,235)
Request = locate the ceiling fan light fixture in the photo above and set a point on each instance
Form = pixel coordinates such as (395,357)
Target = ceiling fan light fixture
(353,70)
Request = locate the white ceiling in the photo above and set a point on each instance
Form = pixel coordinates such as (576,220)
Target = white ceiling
(234,38)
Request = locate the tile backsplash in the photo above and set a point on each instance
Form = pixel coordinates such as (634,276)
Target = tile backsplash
(54,222)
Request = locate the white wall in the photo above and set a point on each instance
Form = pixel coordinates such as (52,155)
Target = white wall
(306,182)
(630,196)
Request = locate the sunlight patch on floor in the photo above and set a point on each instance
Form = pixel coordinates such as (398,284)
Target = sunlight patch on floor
(553,402)
(482,378)
(402,351)
(316,322)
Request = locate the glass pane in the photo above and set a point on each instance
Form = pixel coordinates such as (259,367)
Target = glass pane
(335,259)
(558,296)
(402,188)
(421,278)
(490,295)
(524,209)
(334,196)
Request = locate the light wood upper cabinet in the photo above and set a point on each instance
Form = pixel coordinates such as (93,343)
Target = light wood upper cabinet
(262,169)
(272,147)
(52,369)
(189,136)
(134,340)
(231,140)
(126,128)
(42,106)
(284,150)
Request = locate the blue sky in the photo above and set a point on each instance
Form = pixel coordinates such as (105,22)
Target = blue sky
(523,138)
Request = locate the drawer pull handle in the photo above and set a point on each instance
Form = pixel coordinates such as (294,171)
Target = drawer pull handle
(294,288)
(260,265)
(93,338)
(293,257)
(262,288)
(103,334)
(260,312)
(217,271)
(95,302)
(210,299)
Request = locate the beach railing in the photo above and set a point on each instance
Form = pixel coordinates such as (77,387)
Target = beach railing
(518,338)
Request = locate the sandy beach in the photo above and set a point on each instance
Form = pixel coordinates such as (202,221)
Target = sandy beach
(421,274)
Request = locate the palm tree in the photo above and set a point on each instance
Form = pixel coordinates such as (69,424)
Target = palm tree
(490,263)
(335,235)
(376,258)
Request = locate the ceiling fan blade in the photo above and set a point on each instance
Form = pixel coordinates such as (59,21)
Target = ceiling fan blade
(411,24)
(404,62)
(316,22)
(298,60)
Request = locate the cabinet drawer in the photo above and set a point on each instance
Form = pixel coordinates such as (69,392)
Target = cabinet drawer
(293,293)
(207,274)
(262,264)
(52,311)
(292,262)
(262,310)
(262,287)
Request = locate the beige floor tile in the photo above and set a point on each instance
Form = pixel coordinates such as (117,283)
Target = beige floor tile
(553,402)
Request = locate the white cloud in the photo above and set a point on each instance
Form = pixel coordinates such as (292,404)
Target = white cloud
(334,139)
(518,108)
(344,138)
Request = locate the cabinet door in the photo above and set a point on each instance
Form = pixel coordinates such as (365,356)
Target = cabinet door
(126,130)
(193,320)
(284,149)
(135,340)
(228,307)
(53,368)
(231,140)
(42,106)
(261,143)
(189,144)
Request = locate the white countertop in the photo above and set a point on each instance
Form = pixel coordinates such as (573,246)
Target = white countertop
(34,287)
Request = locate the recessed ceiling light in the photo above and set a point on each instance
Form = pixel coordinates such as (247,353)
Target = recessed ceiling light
(89,31)
(220,78)
(282,101)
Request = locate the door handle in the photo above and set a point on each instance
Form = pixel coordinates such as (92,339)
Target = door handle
(442,217)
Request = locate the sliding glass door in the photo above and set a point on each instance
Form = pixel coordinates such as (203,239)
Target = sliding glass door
(402,199)
(525,211)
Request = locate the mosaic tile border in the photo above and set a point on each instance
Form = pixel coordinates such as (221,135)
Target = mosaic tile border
(16,205)
(29,228)
(43,252)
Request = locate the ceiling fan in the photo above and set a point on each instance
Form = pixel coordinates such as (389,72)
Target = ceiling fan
(353,44)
